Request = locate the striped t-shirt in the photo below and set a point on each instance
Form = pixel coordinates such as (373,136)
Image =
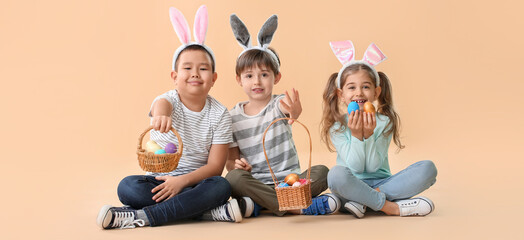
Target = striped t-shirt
(280,148)
(198,130)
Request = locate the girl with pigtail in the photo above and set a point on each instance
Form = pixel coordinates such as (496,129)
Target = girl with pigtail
(362,177)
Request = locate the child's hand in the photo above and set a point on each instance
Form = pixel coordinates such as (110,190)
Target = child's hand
(292,105)
(161,123)
(355,124)
(369,123)
(168,189)
(242,164)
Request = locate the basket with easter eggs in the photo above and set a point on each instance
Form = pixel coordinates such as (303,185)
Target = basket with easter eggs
(157,159)
(293,193)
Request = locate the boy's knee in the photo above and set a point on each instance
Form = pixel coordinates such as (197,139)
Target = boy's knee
(320,170)
(235,176)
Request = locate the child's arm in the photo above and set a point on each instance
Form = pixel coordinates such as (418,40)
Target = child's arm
(291,105)
(161,115)
(174,184)
(377,144)
(235,162)
(350,149)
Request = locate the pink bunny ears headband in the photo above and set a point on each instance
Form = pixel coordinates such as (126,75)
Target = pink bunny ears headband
(345,52)
(182,31)
(265,35)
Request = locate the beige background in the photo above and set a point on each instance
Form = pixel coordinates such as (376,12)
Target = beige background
(78,78)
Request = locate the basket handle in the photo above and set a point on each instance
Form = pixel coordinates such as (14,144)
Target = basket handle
(265,154)
(141,138)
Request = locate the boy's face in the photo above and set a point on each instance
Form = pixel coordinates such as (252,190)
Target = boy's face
(258,82)
(194,74)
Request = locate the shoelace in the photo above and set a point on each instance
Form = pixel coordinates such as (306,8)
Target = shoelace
(126,220)
(219,213)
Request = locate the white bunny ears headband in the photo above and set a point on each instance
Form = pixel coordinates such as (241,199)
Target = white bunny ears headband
(265,35)
(345,52)
(182,31)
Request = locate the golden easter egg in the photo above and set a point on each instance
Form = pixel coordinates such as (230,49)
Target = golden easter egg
(291,178)
(369,108)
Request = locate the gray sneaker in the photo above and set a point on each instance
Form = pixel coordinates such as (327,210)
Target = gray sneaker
(118,217)
(419,206)
(229,212)
(355,208)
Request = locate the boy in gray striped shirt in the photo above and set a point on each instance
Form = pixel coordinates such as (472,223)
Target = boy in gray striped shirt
(257,71)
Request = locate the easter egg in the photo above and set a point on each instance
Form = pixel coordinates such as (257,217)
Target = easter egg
(152,146)
(303,181)
(170,148)
(296,184)
(353,106)
(291,178)
(283,185)
(160,151)
(369,108)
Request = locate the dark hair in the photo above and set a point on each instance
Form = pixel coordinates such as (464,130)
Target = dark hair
(331,111)
(196,48)
(257,57)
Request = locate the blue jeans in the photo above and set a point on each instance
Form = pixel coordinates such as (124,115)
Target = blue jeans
(191,202)
(405,184)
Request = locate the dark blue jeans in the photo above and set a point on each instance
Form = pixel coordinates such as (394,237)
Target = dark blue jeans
(191,202)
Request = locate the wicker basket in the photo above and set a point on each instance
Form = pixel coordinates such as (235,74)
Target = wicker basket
(152,162)
(290,198)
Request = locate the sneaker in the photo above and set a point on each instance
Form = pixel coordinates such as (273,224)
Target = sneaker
(248,207)
(229,212)
(323,204)
(355,208)
(419,206)
(118,217)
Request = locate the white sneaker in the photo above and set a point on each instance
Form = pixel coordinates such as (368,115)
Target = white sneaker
(419,206)
(355,208)
(229,212)
(118,217)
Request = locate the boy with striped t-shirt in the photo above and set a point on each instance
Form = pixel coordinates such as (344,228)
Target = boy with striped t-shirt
(257,71)
(195,188)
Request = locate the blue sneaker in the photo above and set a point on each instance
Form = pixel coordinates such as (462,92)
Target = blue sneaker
(323,204)
(248,207)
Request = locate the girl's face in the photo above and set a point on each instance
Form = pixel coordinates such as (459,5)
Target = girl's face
(258,82)
(358,87)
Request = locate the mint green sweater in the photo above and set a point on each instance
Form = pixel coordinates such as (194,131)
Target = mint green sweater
(367,159)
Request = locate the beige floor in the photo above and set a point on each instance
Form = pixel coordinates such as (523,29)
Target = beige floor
(67,210)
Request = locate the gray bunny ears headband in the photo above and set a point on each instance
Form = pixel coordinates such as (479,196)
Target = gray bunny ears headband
(182,31)
(265,35)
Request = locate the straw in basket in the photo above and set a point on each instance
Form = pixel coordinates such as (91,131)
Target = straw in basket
(290,198)
(152,162)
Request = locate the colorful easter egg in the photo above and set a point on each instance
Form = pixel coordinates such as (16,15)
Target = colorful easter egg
(353,106)
(296,184)
(291,178)
(303,181)
(369,108)
(170,148)
(152,146)
(160,151)
(283,185)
